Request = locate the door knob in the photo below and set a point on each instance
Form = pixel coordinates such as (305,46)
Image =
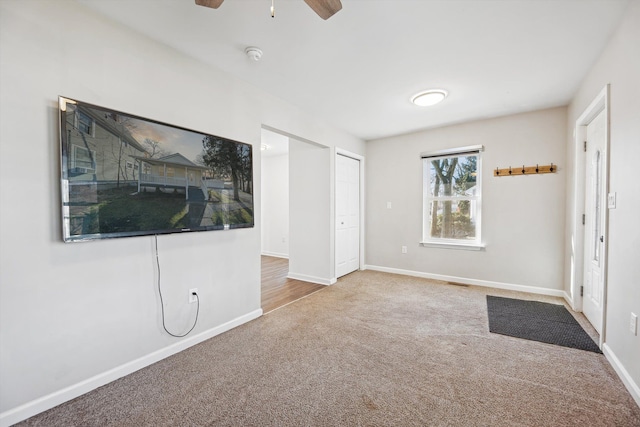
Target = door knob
(601,239)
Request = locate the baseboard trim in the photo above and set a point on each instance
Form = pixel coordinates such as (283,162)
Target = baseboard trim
(44,403)
(568,299)
(629,383)
(275,254)
(467,281)
(311,279)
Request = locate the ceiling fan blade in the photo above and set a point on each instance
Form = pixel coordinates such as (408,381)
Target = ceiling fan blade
(210,3)
(324,8)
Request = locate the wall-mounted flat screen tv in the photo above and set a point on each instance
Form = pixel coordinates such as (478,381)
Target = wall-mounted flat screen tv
(124,175)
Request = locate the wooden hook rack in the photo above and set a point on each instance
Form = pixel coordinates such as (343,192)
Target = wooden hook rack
(525,170)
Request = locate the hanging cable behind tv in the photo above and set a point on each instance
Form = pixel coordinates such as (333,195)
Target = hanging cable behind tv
(193,293)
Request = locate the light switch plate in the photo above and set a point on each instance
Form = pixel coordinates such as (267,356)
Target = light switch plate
(611,200)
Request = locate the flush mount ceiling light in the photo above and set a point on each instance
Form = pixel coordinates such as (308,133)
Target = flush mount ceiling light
(429,97)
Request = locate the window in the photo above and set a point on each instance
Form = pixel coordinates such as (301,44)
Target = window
(83,160)
(452,183)
(596,205)
(84,123)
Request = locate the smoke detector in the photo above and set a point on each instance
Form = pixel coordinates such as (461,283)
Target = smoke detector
(253,53)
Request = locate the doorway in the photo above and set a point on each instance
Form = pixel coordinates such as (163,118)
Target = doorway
(294,197)
(348,217)
(595,203)
(274,200)
(589,242)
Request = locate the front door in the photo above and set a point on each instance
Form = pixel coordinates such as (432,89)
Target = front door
(347,215)
(594,236)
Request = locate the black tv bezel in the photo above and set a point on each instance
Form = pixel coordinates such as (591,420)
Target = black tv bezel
(67,237)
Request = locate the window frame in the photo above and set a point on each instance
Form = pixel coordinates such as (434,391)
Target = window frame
(74,158)
(82,119)
(427,199)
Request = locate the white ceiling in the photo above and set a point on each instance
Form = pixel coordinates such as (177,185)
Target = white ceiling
(359,69)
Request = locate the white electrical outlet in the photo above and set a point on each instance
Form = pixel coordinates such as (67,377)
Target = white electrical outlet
(611,200)
(388,205)
(633,324)
(404,249)
(192,297)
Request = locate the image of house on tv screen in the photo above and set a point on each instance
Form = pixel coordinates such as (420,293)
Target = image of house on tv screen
(130,176)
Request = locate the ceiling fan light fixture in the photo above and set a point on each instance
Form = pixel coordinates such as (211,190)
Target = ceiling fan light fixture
(214,4)
(429,97)
(324,8)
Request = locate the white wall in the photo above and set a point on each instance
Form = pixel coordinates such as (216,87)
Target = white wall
(275,206)
(619,66)
(76,315)
(522,216)
(310,225)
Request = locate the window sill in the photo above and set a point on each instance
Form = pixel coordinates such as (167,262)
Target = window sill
(451,245)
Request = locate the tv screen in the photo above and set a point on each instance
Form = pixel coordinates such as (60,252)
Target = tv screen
(124,175)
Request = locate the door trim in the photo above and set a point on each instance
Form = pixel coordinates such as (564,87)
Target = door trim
(358,157)
(599,104)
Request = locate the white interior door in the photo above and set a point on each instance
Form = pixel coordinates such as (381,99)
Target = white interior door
(594,236)
(347,215)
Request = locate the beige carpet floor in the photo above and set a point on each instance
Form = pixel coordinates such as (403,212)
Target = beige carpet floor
(375,349)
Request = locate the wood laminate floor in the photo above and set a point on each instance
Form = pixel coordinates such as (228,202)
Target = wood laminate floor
(277,288)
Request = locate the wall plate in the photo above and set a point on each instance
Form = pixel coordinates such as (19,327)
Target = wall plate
(193,298)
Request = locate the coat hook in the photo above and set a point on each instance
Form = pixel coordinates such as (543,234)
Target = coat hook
(497,171)
(509,170)
(551,168)
(522,169)
(537,169)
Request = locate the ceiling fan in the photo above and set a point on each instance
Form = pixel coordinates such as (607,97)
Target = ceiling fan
(324,8)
